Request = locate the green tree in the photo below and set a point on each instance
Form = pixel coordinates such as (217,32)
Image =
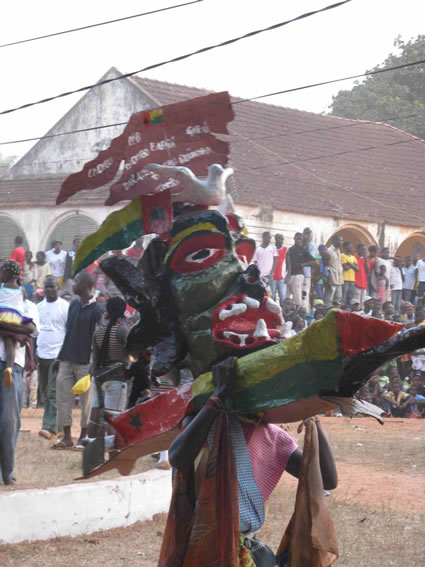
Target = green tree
(5,163)
(388,95)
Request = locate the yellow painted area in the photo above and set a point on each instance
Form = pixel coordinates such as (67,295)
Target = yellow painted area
(317,342)
(179,237)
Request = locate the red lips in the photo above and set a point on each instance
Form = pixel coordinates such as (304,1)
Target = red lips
(242,322)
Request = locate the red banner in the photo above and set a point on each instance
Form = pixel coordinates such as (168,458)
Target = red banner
(180,134)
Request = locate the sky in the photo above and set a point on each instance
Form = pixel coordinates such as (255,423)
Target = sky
(344,41)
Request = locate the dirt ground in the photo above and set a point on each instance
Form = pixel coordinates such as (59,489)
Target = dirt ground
(378,507)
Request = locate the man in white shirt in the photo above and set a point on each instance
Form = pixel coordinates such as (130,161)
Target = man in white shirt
(56,259)
(265,256)
(396,284)
(420,277)
(409,279)
(53,312)
(11,399)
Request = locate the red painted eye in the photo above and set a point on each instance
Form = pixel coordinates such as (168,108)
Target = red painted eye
(198,252)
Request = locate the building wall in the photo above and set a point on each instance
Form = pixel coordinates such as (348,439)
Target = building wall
(113,103)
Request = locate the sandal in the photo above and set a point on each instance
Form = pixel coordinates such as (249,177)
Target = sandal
(62,446)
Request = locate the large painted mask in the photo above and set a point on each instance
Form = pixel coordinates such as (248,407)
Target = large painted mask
(198,295)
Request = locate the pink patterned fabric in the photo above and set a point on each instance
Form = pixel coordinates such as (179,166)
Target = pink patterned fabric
(269,449)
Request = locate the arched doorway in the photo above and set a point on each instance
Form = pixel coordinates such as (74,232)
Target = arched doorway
(413,243)
(9,230)
(355,234)
(69,228)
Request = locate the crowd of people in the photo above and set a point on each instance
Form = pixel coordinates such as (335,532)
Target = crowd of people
(71,328)
(308,281)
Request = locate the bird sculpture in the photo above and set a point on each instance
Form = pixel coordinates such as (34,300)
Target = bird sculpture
(208,191)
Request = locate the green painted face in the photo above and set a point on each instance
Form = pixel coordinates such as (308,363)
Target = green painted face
(205,270)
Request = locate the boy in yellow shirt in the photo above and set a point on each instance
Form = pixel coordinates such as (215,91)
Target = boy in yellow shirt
(349,269)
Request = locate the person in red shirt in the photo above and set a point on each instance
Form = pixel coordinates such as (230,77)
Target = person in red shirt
(361,275)
(278,285)
(18,253)
(137,250)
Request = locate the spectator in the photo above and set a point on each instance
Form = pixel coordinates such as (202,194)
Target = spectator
(396,401)
(324,272)
(53,313)
(382,284)
(11,404)
(367,306)
(377,312)
(56,259)
(287,308)
(333,290)
(69,261)
(311,249)
(297,258)
(355,306)
(18,253)
(349,269)
(41,270)
(29,274)
(396,283)
(361,275)
(109,348)
(409,279)
(420,278)
(372,260)
(278,286)
(409,316)
(265,256)
(418,382)
(385,260)
(375,390)
(30,374)
(417,403)
(388,310)
(73,361)
(137,250)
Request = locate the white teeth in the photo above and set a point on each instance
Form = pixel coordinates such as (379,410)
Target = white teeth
(236,309)
(273,306)
(242,338)
(251,302)
(261,330)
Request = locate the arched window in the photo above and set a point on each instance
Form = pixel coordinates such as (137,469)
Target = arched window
(68,229)
(9,230)
(413,243)
(355,234)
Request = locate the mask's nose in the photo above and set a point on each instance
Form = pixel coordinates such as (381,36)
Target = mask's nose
(250,282)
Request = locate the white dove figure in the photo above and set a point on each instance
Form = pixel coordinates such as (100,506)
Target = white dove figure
(210,190)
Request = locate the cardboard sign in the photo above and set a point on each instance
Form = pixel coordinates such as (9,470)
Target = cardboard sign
(180,134)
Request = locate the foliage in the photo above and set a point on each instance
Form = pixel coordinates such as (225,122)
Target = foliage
(384,96)
(5,163)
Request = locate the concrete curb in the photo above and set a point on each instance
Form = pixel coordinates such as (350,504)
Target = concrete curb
(76,509)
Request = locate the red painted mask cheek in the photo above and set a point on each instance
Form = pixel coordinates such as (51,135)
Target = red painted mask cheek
(198,252)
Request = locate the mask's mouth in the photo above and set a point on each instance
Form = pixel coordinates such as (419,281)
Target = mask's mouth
(243,322)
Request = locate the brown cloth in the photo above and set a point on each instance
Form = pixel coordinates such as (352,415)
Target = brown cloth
(310,536)
(205,533)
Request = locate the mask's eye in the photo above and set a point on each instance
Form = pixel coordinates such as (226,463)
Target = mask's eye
(198,252)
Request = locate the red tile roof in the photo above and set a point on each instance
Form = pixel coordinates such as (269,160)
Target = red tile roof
(295,161)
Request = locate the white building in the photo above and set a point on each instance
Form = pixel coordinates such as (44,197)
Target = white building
(292,169)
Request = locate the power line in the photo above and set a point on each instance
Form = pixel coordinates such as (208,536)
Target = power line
(376,72)
(181,57)
(99,24)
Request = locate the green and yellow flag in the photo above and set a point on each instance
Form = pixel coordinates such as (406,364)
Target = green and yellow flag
(116,232)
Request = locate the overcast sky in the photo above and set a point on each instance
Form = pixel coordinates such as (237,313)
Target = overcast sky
(344,41)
